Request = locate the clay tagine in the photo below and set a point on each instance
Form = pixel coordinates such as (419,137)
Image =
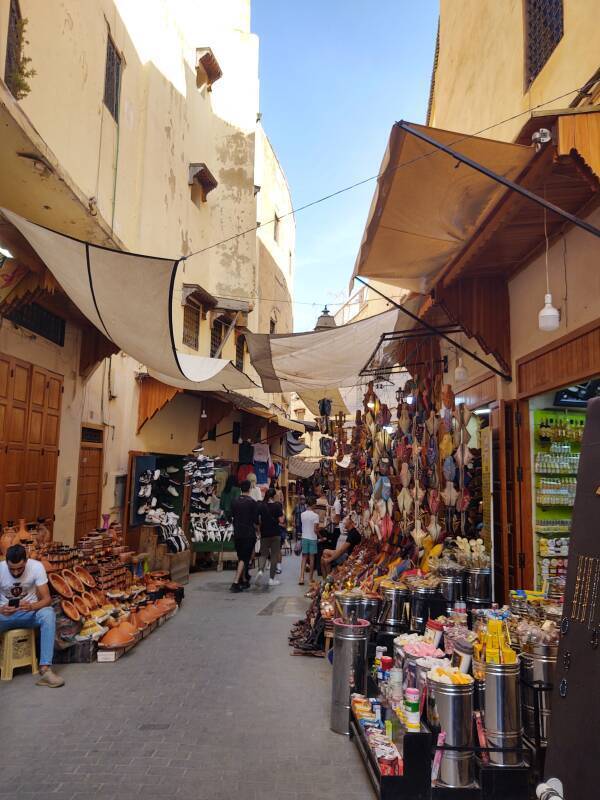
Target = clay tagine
(73,581)
(116,637)
(70,610)
(85,577)
(59,584)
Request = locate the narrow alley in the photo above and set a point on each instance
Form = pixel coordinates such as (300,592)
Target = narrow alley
(178,718)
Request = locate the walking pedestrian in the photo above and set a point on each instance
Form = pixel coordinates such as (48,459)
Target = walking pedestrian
(245,522)
(310,528)
(271,517)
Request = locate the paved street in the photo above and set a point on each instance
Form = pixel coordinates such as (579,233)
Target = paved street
(210,706)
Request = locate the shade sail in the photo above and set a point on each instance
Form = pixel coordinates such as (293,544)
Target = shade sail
(427,205)
(129,298)
(319,360)
(302,468)
(311,397)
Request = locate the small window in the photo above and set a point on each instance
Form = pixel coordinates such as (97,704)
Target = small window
(191,326)
(276,226)
(216,337)
(41,321)
(272,326)
(240,349)
(544,30)
(12,47)
(112,79)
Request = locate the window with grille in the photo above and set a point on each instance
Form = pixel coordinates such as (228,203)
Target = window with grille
(240,348)
(12,47)
(276,224)
(41,321)
(216,337)
(191,326)
(112,79)
(272,326)
(544,29)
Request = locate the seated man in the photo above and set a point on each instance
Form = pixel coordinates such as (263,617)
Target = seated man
(348,539)
(25,603)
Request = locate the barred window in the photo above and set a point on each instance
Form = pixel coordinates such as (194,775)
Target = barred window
(191,325)
(112,79)
(272,325)
(216,337)
(240,349)
(38,319)
(544,28)
(12,47)
(276,223)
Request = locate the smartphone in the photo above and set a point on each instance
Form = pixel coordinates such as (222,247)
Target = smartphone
(13,602)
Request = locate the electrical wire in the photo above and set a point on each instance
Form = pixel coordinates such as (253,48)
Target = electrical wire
(355,185)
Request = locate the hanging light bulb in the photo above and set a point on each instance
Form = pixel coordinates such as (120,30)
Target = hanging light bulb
(549,317)
(370,404)
(460,372)
(203,415)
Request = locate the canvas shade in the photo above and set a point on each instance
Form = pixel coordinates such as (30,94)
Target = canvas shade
(318,360)
(301,467)
(427,205)
(129,298)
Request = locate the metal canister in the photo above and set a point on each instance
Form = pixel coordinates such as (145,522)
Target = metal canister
(349,669)
(425,665)
(538,663)
(346,604)
(420,600)
(452,588)
(369,608)
(399,643)
(395,614)
(454,704)
(503,711)
(409,671)
(479,584)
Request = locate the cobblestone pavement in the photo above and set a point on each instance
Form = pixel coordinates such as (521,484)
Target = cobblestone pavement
(211,707)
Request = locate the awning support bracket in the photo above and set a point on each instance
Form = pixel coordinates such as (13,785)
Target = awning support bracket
(580,223)
(506,375)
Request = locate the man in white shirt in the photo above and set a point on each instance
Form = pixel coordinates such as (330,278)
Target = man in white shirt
(25,603)
(310,526)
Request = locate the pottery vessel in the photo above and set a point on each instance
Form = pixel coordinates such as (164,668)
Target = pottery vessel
(85,577)
(59,584)
(116,637)
(73,581)
(70,610)
(81,605)
(90,600)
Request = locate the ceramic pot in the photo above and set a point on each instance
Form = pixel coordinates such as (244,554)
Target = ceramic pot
(128,627)
(59,584)
(81,605)
(100,596)
(85,577)
(116,637)
(73,581)
(136,620)
(90,600)
(70,610)
(148,614)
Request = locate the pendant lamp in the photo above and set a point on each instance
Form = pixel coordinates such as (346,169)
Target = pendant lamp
(549,317)
(460,372)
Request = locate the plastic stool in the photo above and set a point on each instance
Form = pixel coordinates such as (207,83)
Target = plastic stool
(17,649)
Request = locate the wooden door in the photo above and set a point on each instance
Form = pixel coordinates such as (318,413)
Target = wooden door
(30,404)
(506,547)
(89,482)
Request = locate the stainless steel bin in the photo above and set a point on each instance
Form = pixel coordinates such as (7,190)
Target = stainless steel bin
(349,669)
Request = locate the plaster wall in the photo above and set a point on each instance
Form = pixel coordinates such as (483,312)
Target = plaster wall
(481,74)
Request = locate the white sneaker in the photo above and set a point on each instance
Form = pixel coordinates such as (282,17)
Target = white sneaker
(259,576)
(274,582)
(172,490)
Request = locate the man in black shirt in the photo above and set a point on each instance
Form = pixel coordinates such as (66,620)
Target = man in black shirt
(245,519)
(348,539)
(271,517)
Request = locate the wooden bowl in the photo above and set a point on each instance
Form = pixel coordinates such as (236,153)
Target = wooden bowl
(70,610)
(85,577)
(81,605)
(73,581)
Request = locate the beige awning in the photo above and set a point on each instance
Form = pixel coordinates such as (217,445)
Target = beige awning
(427,204)
(289,424)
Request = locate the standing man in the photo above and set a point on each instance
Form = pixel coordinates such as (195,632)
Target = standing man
(310,528)
(271,517)
(25,603)
(245,519)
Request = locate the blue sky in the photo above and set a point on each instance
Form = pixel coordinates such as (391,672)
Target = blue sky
(334,77)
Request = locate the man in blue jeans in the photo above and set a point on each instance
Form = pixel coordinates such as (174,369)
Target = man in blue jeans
(25,603)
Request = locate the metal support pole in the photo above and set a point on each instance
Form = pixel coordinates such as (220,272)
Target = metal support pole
(506,375)
(580,223)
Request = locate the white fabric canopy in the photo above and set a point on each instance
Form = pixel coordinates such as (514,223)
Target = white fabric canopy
(427,205)
(320,360)
(129,299)
(301,467)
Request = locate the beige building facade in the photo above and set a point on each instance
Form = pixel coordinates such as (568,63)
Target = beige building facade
(140,131)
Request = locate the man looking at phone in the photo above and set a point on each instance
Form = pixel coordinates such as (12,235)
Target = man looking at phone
(25,603)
